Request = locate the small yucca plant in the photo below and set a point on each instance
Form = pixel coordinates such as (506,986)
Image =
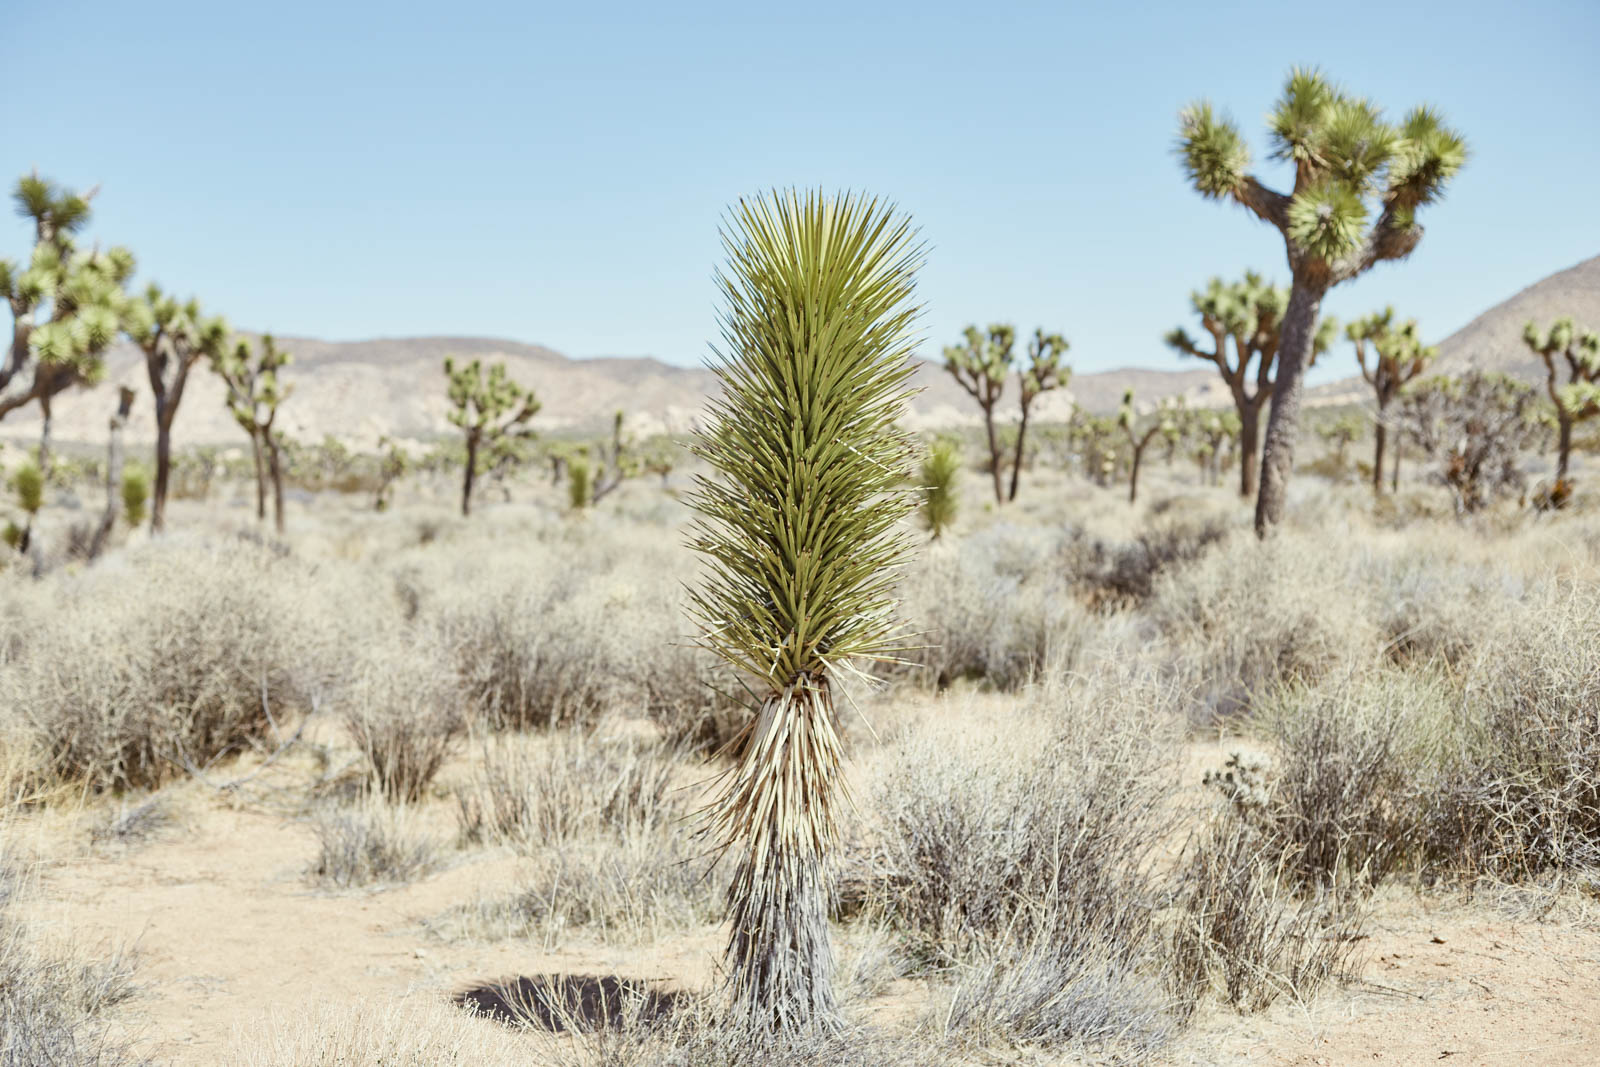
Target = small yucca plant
(936,485)
(801,523)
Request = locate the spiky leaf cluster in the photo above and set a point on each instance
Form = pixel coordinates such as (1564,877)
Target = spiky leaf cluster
(1044,370)
(173,334)
(800,520)
(1359,179)
(1579,396)
(490,404)
(1399,354)
(1248,314)
(255,388)
(936,485)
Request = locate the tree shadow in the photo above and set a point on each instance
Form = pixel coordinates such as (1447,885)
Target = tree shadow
(561,1002)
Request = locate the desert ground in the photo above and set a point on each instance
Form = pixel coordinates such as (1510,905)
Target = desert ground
(1143,789)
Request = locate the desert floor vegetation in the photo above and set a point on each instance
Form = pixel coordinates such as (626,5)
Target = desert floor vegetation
(415,789)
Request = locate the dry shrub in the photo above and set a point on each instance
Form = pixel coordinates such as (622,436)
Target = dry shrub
(53,1002)
(127,676)
(134,824)
(1121,574)
(1523,799)
(1250,617)
(374,844)
(535,792)
(1241,934)
(990,608)
(403,712)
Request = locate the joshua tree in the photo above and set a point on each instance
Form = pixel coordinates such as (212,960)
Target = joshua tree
(981,367)
(254,393)
(936,485)
(1340,432)
(578,482)
(661,458)
(1399,357)
(1248,313)
(1094,437)
(800,525)
(1578,398)
(27,481)
(1139,438)
(173,337)
(135,494)
(114,483)
(1348,163)
(488,410)
(1218,431)
(393,462)
(615,462)
(66,305)
(1043,373)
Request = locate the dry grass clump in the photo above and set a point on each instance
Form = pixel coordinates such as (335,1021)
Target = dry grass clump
(54,1004)
(129,676)
(414,1032)
(536,792)
(404,711)
(132,824)
(1114,573)
(373,844)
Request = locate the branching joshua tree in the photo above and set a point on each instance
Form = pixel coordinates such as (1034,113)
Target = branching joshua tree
(1139,437)
(393,463)
(801,524)
(616,462)
(1578,398)
(254,393)
(1043,373)
(981,366)
(114,486)
(67,306)
(1094,437)
(1249,313)
(1218,432)
(936,485)
(173,337)
(1339,432)
(1399,356)
(488,409)
(1349,165)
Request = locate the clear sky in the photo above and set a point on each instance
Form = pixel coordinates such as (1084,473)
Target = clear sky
(556,173)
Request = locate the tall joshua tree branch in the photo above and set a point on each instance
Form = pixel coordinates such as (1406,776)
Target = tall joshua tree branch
(488,409)
(981,366)
(1399,356)
(254,394)
(800,523)
(1578,398)
(1349,164)
(1043,373)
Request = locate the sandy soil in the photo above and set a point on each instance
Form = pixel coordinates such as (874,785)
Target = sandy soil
(227,928)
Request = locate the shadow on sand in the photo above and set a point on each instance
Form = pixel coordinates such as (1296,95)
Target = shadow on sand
(560,1002)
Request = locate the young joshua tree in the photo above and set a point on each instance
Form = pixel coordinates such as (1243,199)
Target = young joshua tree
(1350,165)
(800,522)
(1043,373)
(1578,398)
(981,367)
(173,337)
(1399,357)
(488,409)
(1139,438)
(1248,313)
(936,485)
(254,393)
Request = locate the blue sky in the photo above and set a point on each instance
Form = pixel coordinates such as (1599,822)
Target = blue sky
(556,174)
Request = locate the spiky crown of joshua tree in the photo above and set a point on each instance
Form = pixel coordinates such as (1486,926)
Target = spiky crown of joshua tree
(800,522)
(1580,395)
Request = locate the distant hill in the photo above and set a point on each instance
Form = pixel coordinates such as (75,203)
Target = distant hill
(361,390)
(1493,340)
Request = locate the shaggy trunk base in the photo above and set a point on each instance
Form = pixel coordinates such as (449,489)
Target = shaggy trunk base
(777,813)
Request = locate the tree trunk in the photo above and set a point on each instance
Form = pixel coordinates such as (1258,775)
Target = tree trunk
(1016,461)
(1380,439)
(1294,353)
(108,518)
(1394,486)
(46,421)
(275,469)
(1564,445)
(1133,475)
(472,470)
(261,475)
(994,456)
(158,497)
(779,958)
(1249,447)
